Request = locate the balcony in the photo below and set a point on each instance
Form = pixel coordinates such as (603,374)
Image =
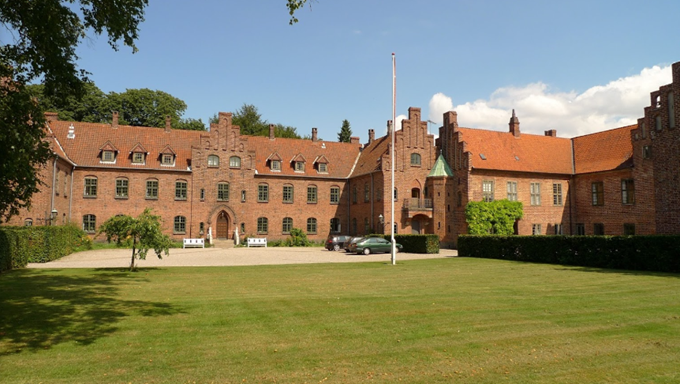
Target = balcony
(415,206)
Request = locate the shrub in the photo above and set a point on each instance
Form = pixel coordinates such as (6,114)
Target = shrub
(493,217)
(417,243)
(297,238)
(642,253)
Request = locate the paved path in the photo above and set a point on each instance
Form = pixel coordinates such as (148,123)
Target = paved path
(120,258)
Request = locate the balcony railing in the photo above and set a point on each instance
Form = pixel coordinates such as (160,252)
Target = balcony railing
(415,203)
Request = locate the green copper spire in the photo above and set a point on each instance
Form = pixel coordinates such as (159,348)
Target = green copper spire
(440,168)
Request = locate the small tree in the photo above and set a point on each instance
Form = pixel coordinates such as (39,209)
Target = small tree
(345,135)
(144,232)
(298,238)
(493,217)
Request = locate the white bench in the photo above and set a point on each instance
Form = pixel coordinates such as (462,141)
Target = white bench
(257,242)
(193,243)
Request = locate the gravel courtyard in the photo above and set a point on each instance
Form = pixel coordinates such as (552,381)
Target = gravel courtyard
(199,257)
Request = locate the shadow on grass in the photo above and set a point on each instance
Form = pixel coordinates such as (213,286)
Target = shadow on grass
(41,308)
(618,271)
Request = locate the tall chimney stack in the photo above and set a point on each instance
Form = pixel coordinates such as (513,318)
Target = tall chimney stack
(114,120)
(389,127)
(272,131)
(514,124)
(314,137)
(168,124)
(371,136)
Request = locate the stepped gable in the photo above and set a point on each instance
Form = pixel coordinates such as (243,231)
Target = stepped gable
(339,157)
(371,156)
(604,151)
(505,151)
(84,148)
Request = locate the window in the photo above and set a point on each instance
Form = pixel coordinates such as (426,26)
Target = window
(234,162)
(311,225)
(557,194)
(378,194)
(311,194)
(598,193)
(28,222)
(180,224)
(395,194)
(243,227)
(202,194)
(335,225)
(121,188)
(263,193)
(558,229)
(580,229)
(89,223)
(487,190)
(323,168)
(287,225)
(512,191)
(367,193)
(598,229)
(299,166)
(201,228)
(628,229)
(262,225)
(415,159)
(287,193)
(459,199)
(168,159)
(335,195)
(90,187)
(66,184)
(180,190)
(367,226)
(646,152)
(535,189)
(108,156)
(628,191)
(275,165)
(243,196)
(535,229)
(222,191)
(213,161)
(152,189)
(657,123)
(138,158)
(56,183)
(671,110)
(355,193)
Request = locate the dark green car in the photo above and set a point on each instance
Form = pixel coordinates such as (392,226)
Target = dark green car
(370,245)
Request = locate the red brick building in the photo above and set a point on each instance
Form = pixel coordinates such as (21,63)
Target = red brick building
(620,181)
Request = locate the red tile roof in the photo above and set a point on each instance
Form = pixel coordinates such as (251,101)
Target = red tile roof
(604,151)
(84,149)
(371,156)
(527,153)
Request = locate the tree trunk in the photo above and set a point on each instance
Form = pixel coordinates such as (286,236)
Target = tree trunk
(132,262)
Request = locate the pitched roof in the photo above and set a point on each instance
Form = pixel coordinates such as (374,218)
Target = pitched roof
(340,156)
(84,149)
(604,151)
(440,168)
(496,150)
(370,158)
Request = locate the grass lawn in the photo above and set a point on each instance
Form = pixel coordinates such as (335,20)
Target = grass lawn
(447,320)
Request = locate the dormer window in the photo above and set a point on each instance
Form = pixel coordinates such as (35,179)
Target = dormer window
(275,165)
(213,161)
(321,164)
(108,156)
(323,168)
(299,166)
(168,159)
(138,158)
(298,163)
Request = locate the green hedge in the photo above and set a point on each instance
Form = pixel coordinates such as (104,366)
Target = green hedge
(22,245)
(417,243)
(641,253)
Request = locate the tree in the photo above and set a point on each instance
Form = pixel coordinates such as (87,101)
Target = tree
(44,35)
(249,119)
(293,6)
(190,124)
(493,217)
(144,232)
(345,135)
(90,108)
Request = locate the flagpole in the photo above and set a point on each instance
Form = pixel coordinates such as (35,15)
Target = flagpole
(394,132)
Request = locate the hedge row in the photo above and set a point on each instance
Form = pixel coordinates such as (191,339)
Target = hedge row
(22,245)
(641,253)
(417,243)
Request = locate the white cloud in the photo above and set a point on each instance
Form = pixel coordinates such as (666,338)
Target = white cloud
(601,107)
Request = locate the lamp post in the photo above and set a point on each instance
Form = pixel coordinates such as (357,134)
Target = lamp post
(53,216)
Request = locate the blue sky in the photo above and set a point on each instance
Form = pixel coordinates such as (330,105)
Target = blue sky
(575,66)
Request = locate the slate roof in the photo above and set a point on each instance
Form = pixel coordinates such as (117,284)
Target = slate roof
(527,153)
(604,151)
(90,138)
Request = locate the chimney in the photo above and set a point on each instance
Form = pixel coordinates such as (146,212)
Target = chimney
(51,116)
(551,133)
(272,131)
(514,124)
(389,127)
(354,140)
(314,137)
(168,124)
(114,120)
(371,136)
(71,132)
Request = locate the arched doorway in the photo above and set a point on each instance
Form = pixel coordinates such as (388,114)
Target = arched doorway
(222,226)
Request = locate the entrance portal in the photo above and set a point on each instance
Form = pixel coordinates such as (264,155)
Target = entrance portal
(222,226)
(415,227)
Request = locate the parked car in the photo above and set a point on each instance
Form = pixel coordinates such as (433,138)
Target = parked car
(350,246)
(336,242)
(374,245)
